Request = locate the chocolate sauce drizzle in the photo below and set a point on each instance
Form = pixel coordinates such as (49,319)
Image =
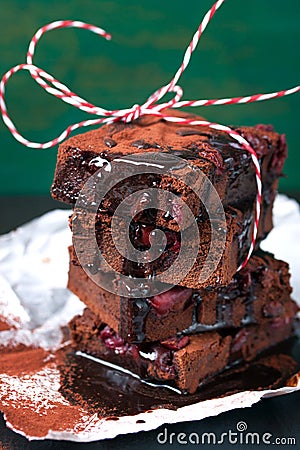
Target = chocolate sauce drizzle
(111,393)
(109,142)
(243,286)
(142,145)
(192,132)
(249,316)
(140,309)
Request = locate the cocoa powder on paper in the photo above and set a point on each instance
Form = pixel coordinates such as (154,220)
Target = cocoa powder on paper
(26,404)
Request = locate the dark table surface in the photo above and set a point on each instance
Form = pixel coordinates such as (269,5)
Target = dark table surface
(278,416)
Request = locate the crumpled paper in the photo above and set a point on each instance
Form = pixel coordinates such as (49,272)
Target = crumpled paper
(35,304)
(33,274)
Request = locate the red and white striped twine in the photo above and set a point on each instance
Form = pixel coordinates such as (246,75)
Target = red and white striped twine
(59,90)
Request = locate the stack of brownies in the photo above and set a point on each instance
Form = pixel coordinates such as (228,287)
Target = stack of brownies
(191,330)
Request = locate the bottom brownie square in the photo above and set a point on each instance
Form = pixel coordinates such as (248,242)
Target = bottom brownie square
(183,361)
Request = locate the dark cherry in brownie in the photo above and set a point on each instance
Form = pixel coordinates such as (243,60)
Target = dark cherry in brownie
(259,291)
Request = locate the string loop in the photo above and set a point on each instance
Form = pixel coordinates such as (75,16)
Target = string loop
(150,106)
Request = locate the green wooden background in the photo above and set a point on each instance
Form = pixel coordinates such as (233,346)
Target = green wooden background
(249,47)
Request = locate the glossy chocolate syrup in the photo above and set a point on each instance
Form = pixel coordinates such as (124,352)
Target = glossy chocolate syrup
(140,309)
(109,142)
(111,393)
(192,132)
(242,286)
(142,145)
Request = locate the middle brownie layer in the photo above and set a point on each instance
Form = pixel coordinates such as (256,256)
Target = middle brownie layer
(259,291)
(208,254)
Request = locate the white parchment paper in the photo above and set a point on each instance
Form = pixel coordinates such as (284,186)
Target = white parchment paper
(35,304)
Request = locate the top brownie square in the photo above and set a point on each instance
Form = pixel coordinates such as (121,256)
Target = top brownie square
(220,158)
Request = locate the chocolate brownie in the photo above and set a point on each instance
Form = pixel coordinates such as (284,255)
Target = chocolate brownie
(183,361)
(228,166)
(259,291)
(207,259)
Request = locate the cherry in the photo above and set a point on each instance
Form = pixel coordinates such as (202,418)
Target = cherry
(173,299)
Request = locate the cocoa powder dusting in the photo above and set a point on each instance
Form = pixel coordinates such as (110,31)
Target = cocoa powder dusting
(4,325)
(30,399)
(22,360)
